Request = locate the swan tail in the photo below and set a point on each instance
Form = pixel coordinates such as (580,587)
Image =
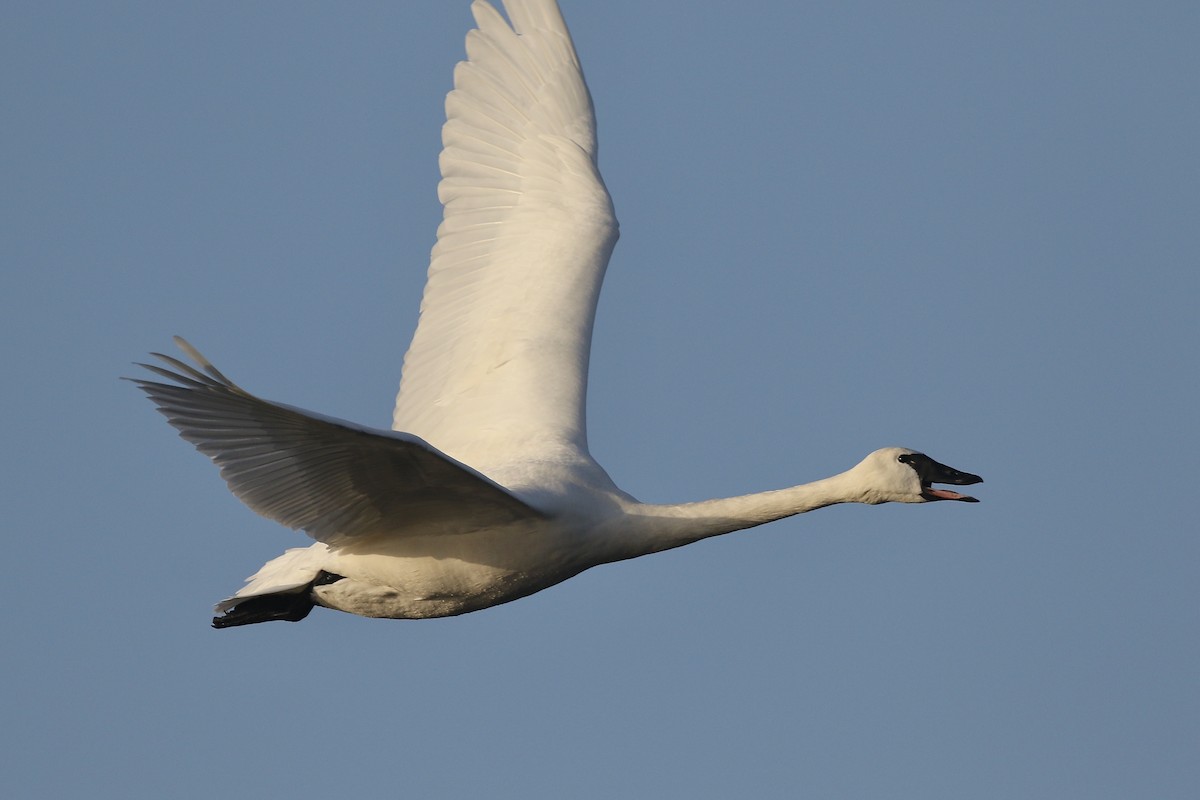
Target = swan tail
(281,590)
(291,606)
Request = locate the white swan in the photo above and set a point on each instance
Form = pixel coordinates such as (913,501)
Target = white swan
(485,491)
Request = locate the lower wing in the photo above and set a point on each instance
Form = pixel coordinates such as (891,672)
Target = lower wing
(336,481)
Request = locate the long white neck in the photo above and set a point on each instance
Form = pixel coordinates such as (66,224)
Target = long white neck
(651,528)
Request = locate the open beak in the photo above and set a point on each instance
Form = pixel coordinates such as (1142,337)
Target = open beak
(932,472)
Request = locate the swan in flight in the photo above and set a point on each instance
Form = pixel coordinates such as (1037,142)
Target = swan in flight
(484,491)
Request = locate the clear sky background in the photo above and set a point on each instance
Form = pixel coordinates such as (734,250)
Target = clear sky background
(967,228)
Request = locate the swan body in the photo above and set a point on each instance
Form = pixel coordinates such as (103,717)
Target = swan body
(484,491)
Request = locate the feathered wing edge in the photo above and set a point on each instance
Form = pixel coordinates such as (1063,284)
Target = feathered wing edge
(336,481)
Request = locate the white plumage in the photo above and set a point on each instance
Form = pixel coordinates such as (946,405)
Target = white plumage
(484,491)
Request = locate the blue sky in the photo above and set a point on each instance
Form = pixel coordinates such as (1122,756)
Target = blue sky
(965,228)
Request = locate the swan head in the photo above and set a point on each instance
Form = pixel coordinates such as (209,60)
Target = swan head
(900,475)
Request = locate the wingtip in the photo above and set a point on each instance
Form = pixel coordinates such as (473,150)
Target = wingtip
(195,355)
(192,353)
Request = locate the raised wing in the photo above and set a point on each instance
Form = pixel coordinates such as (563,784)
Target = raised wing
(336,481)
(497,370)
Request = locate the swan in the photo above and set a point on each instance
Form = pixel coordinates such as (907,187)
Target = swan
(484,490)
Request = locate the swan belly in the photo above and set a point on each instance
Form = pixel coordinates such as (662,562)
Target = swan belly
(423,597)
(442,577)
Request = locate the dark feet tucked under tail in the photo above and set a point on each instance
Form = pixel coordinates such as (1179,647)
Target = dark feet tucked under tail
(287,606)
